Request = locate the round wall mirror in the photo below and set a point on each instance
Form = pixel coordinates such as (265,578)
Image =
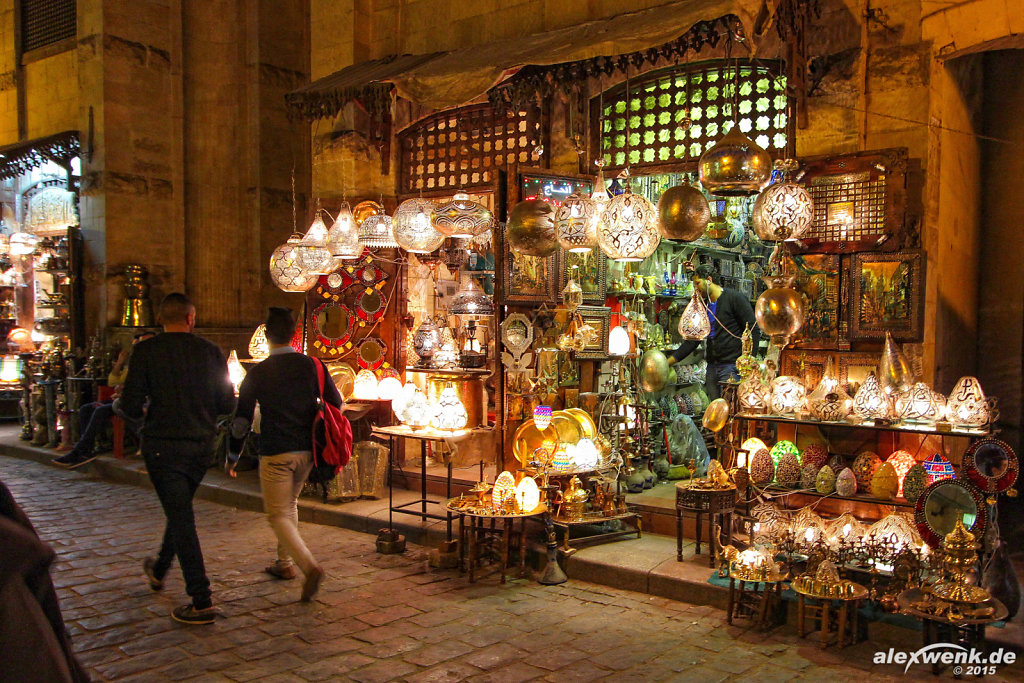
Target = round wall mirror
(991,465)
(370,353)
(943,504)
(371,304)
(333,323)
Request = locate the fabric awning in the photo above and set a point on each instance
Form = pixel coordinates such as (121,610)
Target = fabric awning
(21,157)
(450,79)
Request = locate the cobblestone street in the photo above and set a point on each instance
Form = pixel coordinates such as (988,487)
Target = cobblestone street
(377,618)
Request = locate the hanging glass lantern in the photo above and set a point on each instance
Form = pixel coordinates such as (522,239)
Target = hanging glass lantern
(787,395)
(377,231)
(312,252)
(683,213)
(628,230)
(259,348)
(572,295)
(413,229)
(236,373)
(735,166)
(967,406)
(694,323)
(618,341)
(920,404)
(576,223)
(365,387)
(870,402)
(783,211)
(287,272)
(779,309)
(471,300)
(343,237)
(461,217)
(451,414)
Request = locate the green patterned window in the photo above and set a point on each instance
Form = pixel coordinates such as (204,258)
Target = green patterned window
(674,115)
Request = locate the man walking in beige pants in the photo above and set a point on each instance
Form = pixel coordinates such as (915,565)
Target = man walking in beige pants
(286,388)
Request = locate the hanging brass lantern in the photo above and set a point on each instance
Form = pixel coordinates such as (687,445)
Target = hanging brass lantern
(343,238)
(735,166)
(572,295)
(683,213)
(576,223)
(694,324)
(462,217)
(653,371)
(779,309)
(628,230)
(412,228)
(785,210)
(530,229)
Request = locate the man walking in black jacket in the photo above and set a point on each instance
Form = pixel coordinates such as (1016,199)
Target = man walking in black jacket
(178,385)
(730,313)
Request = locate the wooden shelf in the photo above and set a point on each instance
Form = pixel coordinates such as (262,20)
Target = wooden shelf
(924,430)
(453,372)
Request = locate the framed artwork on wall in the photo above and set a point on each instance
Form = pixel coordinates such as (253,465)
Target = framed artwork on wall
(600,318)
(530,279)
(590,272)
(887,295)
(820,286)
(806,365)
(854,368)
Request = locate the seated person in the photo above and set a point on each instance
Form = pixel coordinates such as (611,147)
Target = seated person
(93,418)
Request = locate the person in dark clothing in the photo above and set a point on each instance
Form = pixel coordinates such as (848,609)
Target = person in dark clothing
(286,388)
(730,313)
(36,645)
(185,380)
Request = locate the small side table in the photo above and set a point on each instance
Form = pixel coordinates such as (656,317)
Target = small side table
(479,533)
(838,617)
(762,605)
(711,502)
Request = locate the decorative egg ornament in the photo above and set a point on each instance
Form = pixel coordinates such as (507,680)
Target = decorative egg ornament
(788,471)
(846,483)
(809,475)
(815,454)
(885,483)
(503,493)
(902,462)
(864,467)
(914,483)
(762,467)
(825,482)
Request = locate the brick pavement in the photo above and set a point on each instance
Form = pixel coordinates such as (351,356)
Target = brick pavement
(377,618)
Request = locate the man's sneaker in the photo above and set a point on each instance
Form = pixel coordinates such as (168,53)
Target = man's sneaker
(312,583)
(74,459)
(147,567)
(285,572)
(188,614)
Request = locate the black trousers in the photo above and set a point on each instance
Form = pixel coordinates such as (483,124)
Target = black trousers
(176,467)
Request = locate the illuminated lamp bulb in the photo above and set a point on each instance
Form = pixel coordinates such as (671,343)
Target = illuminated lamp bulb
(901,462)
(236,373)
(618,341)
(10,369)
(22,243)
(967,406)
(585,456)
(365,387)
(259,348)
(542,417)
(694,323)
(753,396)
(870,402)
(343,238)
(312,252)
(417,412)
(751,446)
(787,395)
(503,492)
(527,496)
(399,402)
(389,389)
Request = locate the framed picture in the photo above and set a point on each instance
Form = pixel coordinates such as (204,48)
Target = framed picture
(530,279)
(887,295)
(591,273)
(855,367)
(818,282)
(806,365)
(600,318)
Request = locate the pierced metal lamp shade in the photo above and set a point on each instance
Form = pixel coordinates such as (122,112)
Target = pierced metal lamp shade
(779,310)
(462,217)
(628,230)
(576,223)
(784,211)
(694,324)
(343,238)
(377,232)
(451,413)
(870,402)
(312,251)
(471,300)
(683,213)
(967,406)
(735,166)
(572,295)
(413,229)
(259,348)
(287,272)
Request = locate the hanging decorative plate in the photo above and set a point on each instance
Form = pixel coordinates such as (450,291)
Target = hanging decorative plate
(370,353)
(333,284)
(370,305)
(991,465)
(371,276)
(332,327)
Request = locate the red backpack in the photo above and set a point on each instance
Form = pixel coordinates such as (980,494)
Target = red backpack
(332,436)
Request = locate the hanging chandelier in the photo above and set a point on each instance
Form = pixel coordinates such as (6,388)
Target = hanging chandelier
(785,210)
(413,229)
(377,231)
(312,251)
(735,166)
(628,230)
(576,223)
(780,309)
(462,217)
(471,300)
(287,271)
(343,237)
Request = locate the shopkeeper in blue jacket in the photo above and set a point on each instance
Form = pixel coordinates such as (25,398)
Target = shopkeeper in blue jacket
(729,312)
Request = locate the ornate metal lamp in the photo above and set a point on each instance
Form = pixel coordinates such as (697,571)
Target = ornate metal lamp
(413,229)
(287,272)
(628,230)
(343,237)
(377,231)
(785,210)
(735,166)
(462,217)
(576,223)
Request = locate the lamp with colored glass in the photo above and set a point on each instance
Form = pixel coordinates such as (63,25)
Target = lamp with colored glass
(236,373)
(901,462)
(259,348)
(312,252)
(747,450)
(542,416)
(462,217)
(287,271)
(413,230)
(870,402)
(503,492)
(938,468)
(366,386)
(783,448)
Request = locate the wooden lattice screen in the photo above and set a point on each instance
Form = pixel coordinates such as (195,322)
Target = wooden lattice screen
(44,22)
(463,147)
(659,136)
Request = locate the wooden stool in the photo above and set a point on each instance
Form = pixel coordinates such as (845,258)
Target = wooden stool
(838,618)
(763,606)
(711,502)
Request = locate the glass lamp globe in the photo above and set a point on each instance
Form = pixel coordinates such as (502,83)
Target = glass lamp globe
(10,369)
(413,229)
(389,389)
(527,495)
(920,404)
(939,468)
(576,223)
(586,455)
(572,295)
(628,230)
(377,231)
(694,323)
(462,217)
(787,395)
(870,402)
(451,414)
(259,348)
(618,341)
(365,387)
(287,272)
(417,412)
(784,211)
(901,462)
(471,300)
(753,395)
(735,166)
(236,373)
(343,237)
(967,406)
(312,251)
(503,492)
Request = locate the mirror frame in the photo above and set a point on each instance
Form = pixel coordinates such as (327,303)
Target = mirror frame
(365,341)
(931,536)
(333,342)
(516,349)
(969,467)
(371,316)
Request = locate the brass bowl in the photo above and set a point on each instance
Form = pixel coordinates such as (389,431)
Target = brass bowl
(566,426)
(587,425)
(528,438)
